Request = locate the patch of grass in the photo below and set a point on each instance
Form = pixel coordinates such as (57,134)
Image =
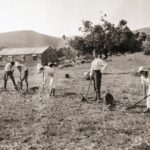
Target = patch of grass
(37,121)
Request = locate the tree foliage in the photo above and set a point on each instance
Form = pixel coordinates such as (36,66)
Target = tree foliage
(67,52)
(146,46)
(107,39)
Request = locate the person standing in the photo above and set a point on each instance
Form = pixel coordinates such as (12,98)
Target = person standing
(23,70)
(8,72)
(145,80)
(97,68)
(48,77)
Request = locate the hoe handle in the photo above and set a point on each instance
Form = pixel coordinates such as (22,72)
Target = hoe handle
(132,106)
(88,88)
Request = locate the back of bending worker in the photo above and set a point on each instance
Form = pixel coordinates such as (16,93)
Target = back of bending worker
(48,77)
(97,68)
(23,70)
(145,80)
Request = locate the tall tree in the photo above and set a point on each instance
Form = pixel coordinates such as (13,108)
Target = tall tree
(107,39)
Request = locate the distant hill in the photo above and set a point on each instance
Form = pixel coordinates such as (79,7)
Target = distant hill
(29,38)
(146,30)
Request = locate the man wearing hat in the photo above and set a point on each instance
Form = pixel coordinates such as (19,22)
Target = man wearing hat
(23,70)
(97,68)
(8,72)
(48,77)
(145,80)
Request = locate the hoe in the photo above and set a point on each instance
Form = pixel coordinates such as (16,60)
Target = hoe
(132,106)
(84,98)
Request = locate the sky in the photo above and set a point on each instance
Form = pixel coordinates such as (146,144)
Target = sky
(64,17)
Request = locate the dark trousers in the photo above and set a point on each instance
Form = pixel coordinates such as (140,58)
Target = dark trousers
(97,76)
(6,75)
(25,78)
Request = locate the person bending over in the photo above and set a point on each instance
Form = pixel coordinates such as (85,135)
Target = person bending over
(8,72)
(48,77)
(145,80)
(23,70)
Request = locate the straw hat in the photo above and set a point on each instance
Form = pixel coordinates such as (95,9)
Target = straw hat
(39,66)
(142,69)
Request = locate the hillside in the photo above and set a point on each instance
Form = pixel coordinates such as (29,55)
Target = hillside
(146,30)
(29,38)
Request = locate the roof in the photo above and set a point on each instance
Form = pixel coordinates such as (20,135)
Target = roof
(22,51)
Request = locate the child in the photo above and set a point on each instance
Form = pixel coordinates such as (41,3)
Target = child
(145,80)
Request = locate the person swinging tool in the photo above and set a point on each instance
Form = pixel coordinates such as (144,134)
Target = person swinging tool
(48,76)
(8,72)
(23,70)
(145,80)
(97,68)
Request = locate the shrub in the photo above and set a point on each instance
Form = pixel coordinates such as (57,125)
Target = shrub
(146,46)
(146,51)
(68,53)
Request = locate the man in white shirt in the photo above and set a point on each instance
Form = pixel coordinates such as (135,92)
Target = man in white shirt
(145,80)
(23,70)
(8,72)
(97,68)
(48,76)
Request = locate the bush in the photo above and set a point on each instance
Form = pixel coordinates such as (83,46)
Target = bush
(68,53)
(146,51)
(146,46)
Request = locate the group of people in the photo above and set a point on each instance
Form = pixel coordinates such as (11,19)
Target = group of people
(48,73)
(97,67)
(9,72)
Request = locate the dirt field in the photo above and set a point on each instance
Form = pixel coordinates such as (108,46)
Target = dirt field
(37,122)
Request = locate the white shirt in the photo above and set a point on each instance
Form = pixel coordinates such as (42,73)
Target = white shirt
(98,64)
(145,81)
(9,67)
(48,73)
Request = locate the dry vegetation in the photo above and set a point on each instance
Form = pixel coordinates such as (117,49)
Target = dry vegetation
(37,122)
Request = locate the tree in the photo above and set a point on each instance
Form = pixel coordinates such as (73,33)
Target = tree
(67,52)
(107,39)
(146,46)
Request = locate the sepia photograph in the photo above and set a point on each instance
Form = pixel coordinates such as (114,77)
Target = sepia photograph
(74,74)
